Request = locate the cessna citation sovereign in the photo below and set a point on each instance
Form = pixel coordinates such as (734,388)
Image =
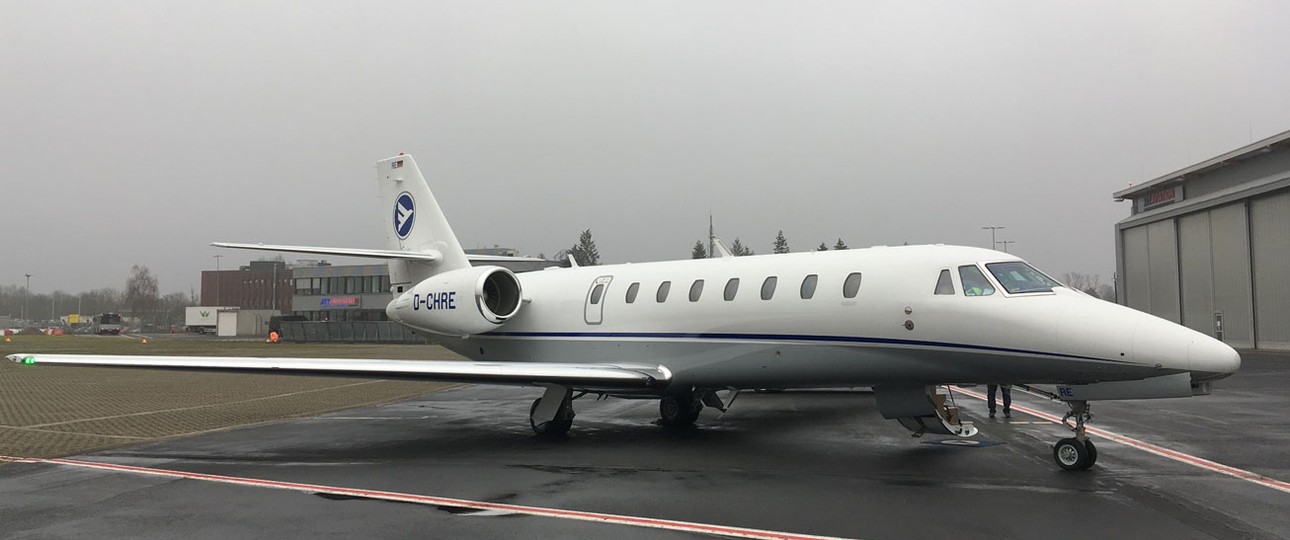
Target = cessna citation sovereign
(908,321)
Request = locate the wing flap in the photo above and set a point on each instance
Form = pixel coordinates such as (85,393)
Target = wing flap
(594,376)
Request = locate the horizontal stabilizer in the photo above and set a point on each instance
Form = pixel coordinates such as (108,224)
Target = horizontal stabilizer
(339,252)
(586,376)
(372,253)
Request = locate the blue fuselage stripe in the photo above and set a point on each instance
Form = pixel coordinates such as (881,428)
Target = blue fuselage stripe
(790,338)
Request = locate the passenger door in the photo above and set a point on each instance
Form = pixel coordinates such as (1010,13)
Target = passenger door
(594,307)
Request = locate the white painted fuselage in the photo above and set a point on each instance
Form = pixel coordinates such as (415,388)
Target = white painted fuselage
(894,330)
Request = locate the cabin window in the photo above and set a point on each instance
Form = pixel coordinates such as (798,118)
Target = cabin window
(768,287)
(851,286)
(597,292)
(1018,277)
(944,285)
(974,281)
(808,286)
(663,288)
(632,290)
(732,288)
(696,290)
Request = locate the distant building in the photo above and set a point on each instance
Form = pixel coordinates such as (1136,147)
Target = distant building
(258,285)
(341,293)
(361,292)
(1208,246)
(318,290)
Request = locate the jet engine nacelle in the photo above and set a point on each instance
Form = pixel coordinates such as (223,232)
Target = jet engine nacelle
(460,302)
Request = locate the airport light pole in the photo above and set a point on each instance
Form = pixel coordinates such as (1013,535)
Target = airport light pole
(26,297)
(217,280)
(1005,244)
(993,228)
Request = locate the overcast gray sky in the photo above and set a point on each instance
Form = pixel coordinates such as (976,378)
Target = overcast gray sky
(138,132)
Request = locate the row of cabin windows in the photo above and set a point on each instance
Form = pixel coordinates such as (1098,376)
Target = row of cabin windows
(850,288)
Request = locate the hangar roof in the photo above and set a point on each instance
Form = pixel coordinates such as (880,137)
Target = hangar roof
(1177,177)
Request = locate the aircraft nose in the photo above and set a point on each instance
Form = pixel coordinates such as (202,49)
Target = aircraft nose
(1211,359)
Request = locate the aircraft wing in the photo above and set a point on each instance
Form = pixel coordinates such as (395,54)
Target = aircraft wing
(371,253)
(584,376)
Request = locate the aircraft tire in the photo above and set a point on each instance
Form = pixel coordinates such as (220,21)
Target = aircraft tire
(680,410)
(1072,454)
(1092,452)
(560,426)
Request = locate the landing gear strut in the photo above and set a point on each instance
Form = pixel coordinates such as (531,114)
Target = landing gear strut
(1076,453)
(552,414)
(679,409)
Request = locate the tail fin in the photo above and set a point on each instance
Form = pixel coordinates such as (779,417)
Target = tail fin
(414,223)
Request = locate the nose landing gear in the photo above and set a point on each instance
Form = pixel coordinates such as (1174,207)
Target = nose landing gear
(1076,453)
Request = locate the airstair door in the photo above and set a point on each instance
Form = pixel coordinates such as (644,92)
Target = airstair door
(595,306)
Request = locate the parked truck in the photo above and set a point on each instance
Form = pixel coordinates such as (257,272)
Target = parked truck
(201,319)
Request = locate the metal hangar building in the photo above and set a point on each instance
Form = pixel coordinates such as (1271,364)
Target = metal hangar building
(1208,246)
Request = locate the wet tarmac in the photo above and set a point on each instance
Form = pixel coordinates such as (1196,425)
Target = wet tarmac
(817,463)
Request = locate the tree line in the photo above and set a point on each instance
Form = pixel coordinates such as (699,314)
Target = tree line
(139,298)
(777,245)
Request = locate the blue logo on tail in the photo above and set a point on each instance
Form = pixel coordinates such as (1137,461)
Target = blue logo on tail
(403,215)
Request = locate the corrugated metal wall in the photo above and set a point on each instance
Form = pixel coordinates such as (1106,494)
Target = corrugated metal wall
(1233,296)
(1270,238)
(1137,272)
(1162,249)
(1195,260)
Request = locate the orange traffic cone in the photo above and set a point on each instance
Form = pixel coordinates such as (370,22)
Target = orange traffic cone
(7,340)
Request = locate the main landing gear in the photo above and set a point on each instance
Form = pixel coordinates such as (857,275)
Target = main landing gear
(552,414)
(1076,453)
(679,409)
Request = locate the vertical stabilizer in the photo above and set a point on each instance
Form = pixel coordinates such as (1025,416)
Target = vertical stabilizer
(414,222)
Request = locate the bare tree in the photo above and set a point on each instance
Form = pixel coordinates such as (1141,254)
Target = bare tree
(141,292)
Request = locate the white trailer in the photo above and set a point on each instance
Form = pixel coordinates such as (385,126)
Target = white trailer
(202,319)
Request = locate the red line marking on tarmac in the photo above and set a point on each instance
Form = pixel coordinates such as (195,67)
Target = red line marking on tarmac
(614,519)
(1155,449)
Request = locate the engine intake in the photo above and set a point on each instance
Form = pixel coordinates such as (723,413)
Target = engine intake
(460,302)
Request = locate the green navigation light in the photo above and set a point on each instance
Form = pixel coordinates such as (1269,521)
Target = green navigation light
(29,360)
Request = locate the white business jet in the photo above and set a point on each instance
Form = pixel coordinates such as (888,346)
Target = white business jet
(908,321)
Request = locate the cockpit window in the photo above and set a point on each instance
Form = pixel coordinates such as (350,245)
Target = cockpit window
(1018,277)
(974,281)
(944,285)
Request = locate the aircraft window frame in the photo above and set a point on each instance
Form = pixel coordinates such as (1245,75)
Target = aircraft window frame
(696,290)
(851,289)
(768,287)
(809,284)
(1046,283)
(596,293)
(663,288)
(945,284)
(988,288)
(732,289)
(632,291)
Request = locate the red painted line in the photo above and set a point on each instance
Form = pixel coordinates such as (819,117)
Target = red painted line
(1158,450)
(615,519)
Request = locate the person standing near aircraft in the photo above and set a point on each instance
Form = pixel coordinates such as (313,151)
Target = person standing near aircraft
(1007,398)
